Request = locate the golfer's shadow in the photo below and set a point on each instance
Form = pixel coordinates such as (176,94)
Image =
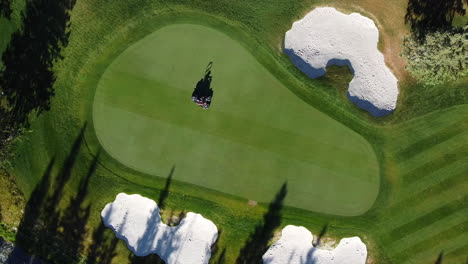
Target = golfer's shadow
(203,90)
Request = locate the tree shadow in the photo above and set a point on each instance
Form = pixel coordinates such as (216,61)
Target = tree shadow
(221,259)
(75,217)
(47,230)
(146,241)
(203,93)
(150,259)
(165,192)
(440,258)
(27,78)
(257,243)
(320,236)
(5,9)
(103,248)
(215,248)
(425,16)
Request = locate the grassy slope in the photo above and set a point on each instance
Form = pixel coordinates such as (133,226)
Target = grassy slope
(143,119)
(100,33)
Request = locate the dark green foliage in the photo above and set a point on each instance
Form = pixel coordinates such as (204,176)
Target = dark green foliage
(5,8)
(425,16)
(438,58)
(27,78)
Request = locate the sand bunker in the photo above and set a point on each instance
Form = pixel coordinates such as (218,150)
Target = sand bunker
(295,246)
(327,37)
(136,220)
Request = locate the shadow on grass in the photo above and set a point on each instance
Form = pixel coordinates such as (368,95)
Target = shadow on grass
(257,243)
(320,236)
(203,87)
(203,92)
(150,259)
(27,78)
(221,259)
(440,258)
(425,16)
(165,192)
(214,251)
(5,8)
(103,250)
(53,227)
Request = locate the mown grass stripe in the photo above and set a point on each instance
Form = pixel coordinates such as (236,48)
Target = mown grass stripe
(458,253)
(437,161)
(421,234)
(437,177)
(431,247)
(440,137)
(414,193)
(399,216)
(429,218)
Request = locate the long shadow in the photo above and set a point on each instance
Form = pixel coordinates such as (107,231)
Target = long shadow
(5,8)
(425,16)
(26,237)
(320,236)
(165,192)
(257,243)
(147,240)
(75,217)
(27,78)
(440,258)
(103,248)
(222,258)
(48,231)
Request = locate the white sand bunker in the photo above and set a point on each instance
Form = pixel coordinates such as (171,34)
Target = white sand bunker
(327,37)
(295,246)
(136,220)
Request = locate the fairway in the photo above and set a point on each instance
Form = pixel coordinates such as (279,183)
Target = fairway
(255,136)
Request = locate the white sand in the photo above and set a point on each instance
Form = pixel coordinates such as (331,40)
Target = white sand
(136,220)
(328,37)
(295,246)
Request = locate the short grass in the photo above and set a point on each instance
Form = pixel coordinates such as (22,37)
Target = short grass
(421,208)
(255,136)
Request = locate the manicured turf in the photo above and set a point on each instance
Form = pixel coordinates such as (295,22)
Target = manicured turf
(255,136)
(421,148)
(429,212)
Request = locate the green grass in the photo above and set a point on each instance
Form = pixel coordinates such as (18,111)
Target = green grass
(421,148)
(8,26)
(255,136)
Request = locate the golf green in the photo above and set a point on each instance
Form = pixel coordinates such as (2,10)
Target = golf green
(255,136)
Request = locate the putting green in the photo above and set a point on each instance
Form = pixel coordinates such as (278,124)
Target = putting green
(255,136)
